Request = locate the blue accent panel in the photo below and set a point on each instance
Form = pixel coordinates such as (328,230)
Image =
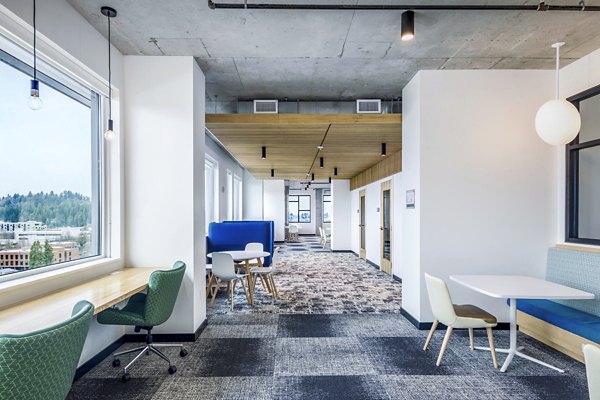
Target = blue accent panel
(572,320)
(576,269)
(235,235)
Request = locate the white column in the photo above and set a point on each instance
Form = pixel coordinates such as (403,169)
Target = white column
(341,229)
(164,176)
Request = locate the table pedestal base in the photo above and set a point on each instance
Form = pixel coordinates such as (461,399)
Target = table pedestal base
(518,353)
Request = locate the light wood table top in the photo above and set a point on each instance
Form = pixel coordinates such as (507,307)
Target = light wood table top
(103,292)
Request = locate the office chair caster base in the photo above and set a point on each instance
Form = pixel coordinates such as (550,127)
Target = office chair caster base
(125,378)
(116,363)
(183,353)
(172,369)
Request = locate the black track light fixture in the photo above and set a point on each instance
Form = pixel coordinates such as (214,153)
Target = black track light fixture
(329,179)
(312,177)
(272,173)
(335,171)
(264,153)
(321,162)
(383,150)
(408,26)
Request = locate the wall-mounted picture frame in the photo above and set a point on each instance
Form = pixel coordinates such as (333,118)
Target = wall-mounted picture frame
(410,198)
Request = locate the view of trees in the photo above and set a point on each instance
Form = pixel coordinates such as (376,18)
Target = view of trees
(54,210)
(38,256)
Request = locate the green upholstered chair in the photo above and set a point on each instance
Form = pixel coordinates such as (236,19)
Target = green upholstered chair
(147,310)
(41,365)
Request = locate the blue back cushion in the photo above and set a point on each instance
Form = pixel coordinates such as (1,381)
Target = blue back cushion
(235,235)
(577,269)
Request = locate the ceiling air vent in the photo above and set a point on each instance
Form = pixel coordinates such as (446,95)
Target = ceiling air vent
(371,106)
(265,106)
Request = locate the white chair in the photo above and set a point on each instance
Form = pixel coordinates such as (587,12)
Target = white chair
(592,368)
(266,276)
(456,317)
(224,271)
(324,236)
(293,233)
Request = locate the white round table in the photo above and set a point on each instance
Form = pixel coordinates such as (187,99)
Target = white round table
(245,256)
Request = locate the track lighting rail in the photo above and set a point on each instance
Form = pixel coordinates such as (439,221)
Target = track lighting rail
(542,6)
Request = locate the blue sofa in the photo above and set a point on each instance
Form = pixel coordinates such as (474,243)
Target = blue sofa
(578,269)
(235,235)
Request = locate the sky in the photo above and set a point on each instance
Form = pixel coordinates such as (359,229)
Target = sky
(44,150)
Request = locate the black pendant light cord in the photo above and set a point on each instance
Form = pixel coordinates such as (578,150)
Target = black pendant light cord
(109,75)
(34,44)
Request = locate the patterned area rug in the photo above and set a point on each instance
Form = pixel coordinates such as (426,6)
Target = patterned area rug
(325,283)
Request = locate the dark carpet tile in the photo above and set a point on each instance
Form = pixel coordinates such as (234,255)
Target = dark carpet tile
(113,389)
(555,388)
(229,357)
(305,325)
(328,388)
(405,356)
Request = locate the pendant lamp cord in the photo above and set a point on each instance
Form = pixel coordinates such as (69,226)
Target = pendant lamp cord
(557,71)
(109,74)
(34,44)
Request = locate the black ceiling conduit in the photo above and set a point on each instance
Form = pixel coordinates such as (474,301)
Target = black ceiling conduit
(542,6)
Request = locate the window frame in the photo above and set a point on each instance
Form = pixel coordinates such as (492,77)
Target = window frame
(238,190)
(67,86)
(299,210)
(572,176)
(326,201)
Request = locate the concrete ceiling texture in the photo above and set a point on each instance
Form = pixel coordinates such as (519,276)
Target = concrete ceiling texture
(340,54)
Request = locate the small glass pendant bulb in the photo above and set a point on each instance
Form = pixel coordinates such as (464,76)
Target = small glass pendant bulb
(35,103)
(110,133)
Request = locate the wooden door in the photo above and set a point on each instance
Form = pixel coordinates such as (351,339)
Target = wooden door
(362,224)
(386,227)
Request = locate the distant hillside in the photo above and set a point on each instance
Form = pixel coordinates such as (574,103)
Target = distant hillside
(54,210)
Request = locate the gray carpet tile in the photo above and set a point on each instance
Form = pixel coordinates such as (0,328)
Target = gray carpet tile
(336,334)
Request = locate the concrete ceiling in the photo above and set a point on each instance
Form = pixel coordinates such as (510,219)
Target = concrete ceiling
(248,54)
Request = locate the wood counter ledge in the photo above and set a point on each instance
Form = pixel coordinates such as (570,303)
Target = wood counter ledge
(55,307)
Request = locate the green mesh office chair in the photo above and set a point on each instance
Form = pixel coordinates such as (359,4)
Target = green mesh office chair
(41,365)
(147,310)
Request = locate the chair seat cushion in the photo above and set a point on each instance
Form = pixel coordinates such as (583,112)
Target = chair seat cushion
(471,311)
(131,314)
(570,319)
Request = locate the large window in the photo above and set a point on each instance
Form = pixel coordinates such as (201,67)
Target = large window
(583,173)
(299,209)
(211,190)
(50,209)
(326,208)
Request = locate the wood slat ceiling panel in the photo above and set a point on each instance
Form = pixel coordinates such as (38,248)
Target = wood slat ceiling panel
(353,143)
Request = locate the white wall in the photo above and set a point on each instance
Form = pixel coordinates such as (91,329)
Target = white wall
(485,180)
(226,162)
(274,205)
(253,198)
(354,221)
(308,228)
(341,215)
(164,172)
(69,43)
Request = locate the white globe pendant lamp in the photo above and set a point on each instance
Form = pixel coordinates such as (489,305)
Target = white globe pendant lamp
(557,121)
